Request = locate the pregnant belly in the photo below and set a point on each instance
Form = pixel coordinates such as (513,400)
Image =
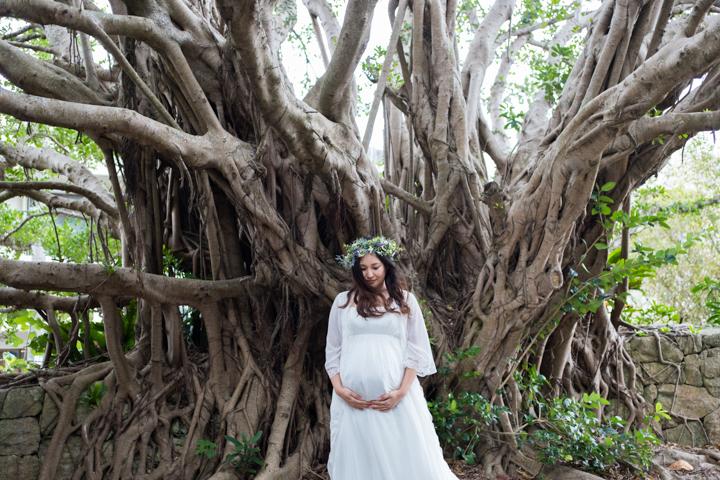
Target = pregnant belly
(371,365)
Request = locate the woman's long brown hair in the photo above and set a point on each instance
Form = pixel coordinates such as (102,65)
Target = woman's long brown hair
(366,298)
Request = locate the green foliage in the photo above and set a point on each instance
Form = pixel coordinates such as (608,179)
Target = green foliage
(686,194)
(76,239)
(68,142)
(173,265)
(94,394)
(537,11)
(710,289)
(14,322)
(550,75)
(561,430)
(654,314)
(372,68)
(246,456)
(452,359)
(564,430)
(206,448)
(12,364)
(513,119)
(460,421)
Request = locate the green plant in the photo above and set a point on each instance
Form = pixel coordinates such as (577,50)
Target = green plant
(460,420)
(654,314)
(245,456)
(206,448)
(572,431)
(452,359)
(94,394)
(710,288)
(12,364)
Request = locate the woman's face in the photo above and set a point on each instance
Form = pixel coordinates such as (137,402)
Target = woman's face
(373,271)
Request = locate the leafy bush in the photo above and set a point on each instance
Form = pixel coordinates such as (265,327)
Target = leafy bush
(571,431)
(561,430)
(711,289)
(459,422)
(245,457)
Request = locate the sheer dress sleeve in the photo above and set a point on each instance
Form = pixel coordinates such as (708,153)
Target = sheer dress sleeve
(333,344)
(418,354)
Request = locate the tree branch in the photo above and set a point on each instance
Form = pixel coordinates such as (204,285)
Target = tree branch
(95,23)
(44,79)
(96,200)
(479,56)
(47,159)
(696,16)
(380,88)
(198,151)
(647,129)
(94,279)
(348,52)
(331,149)
(73,205)
(685,59)
(23,299)
(420,204)
(321,10)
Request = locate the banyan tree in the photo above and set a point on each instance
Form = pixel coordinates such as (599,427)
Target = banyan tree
(215,162)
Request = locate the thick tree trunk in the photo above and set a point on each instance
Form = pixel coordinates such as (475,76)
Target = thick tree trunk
(222,178)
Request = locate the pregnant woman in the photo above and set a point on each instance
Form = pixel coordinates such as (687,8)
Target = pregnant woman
(377,346)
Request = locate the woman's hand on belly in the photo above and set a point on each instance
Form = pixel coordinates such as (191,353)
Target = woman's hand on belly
(352,398)
(387,401)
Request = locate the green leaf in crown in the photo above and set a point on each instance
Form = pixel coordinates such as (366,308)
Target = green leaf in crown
(362,246)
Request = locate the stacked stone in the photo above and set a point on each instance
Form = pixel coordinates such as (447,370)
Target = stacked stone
(686,380)
(27,419)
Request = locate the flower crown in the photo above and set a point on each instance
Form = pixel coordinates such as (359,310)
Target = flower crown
(362,246)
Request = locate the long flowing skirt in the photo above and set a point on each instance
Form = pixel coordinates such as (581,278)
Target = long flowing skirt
(400,444)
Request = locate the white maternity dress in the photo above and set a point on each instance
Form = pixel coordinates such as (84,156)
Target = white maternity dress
(371,355)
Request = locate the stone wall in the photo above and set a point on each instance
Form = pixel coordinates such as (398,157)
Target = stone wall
(682,371)
(27,419)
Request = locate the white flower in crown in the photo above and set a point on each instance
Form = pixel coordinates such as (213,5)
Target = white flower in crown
(362,246)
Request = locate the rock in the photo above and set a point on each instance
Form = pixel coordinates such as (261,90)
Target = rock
(692,374)
(690,344)
(690,402)
(561,472)
(713,386)
(711,422)
(28,467)
(19,436)
(48,417)
(691,434)
(3,393)
(23,402)
(644,349)
(711,363)
(19,468)
(650,393)
(657,373)
(681,466)
(711,340)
